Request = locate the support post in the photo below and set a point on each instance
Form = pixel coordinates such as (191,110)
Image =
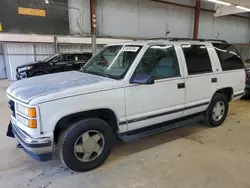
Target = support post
(55,45)
(93,25)
(197,19)
(94,45)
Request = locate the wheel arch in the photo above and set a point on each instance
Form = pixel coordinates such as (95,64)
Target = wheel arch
(105,114)
(227,91)
(38,71)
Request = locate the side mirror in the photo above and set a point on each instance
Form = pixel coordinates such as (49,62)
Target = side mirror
(141,78)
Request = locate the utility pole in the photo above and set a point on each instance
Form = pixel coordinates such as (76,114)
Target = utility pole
(197,19)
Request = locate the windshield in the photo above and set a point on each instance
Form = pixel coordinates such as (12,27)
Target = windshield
(112,61)
(50,58)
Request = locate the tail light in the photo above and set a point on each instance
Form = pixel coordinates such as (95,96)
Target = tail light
(246,73)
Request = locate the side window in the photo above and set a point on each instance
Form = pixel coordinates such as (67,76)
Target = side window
(61,58)
(69,57)
(197,59)
(83,57)
(160,62)
(229,57)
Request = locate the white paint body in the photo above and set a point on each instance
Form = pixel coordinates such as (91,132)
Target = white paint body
(58,95)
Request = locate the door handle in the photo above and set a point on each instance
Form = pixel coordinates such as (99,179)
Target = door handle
(181,85)
(214,80)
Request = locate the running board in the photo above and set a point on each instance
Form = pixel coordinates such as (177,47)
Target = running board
(159,128)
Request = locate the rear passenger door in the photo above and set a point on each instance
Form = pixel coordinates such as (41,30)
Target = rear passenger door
(200,77)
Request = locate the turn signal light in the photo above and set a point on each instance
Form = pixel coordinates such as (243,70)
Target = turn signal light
(32,112)
(32,123)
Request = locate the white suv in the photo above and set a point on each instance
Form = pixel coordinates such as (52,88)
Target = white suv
(124,89)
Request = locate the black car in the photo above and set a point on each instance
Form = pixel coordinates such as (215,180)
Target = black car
(57,63)
(248,80)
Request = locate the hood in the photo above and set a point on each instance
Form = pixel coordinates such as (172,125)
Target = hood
(30,64)
(28,89)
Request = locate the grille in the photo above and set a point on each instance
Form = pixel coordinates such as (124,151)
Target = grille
(12,108)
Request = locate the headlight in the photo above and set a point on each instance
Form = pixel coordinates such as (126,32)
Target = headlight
(22,120)
(31,123)
(29,112)
(26,115)
(25,68)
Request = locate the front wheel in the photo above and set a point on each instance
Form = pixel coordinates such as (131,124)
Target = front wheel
(86,144)
(217,111)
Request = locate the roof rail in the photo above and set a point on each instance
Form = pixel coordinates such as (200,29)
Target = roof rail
(188,39)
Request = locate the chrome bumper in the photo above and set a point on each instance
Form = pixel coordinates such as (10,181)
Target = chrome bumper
(38,148)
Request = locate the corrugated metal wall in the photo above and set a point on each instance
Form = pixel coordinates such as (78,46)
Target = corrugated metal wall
(17,54)
(43,51)
(145,18)
(2,64)
(77,47)
(229,28)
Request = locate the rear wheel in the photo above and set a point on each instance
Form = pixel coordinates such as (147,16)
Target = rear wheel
(217,111)
(86,144)
(247,95)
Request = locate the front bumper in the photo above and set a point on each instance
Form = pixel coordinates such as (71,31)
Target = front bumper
(38,148)
(21,75)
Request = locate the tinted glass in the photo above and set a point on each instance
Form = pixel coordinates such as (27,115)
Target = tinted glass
(229,57)
(197,59)
(70,57)
(82,57)
(160,62)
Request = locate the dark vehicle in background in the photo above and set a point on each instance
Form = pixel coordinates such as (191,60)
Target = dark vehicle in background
(56,63)
(247,65)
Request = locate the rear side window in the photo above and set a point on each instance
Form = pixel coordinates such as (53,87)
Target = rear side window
(82,57)
(229,57)
(197,59)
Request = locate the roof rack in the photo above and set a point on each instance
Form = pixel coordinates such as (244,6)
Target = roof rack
(189,39)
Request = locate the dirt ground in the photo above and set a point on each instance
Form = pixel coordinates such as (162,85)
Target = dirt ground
(190,157)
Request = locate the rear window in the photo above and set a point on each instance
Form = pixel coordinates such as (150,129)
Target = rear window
(229,57)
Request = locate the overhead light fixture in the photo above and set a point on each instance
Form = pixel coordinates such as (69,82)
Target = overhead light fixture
(220,2)
(243,8)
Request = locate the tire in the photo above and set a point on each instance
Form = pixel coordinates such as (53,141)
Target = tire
(210,116)
(246,96)
(74,135)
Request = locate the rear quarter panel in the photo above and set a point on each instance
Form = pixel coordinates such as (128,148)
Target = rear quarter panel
(235,79)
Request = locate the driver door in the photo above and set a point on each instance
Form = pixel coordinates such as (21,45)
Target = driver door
(64,63)
(162,101)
